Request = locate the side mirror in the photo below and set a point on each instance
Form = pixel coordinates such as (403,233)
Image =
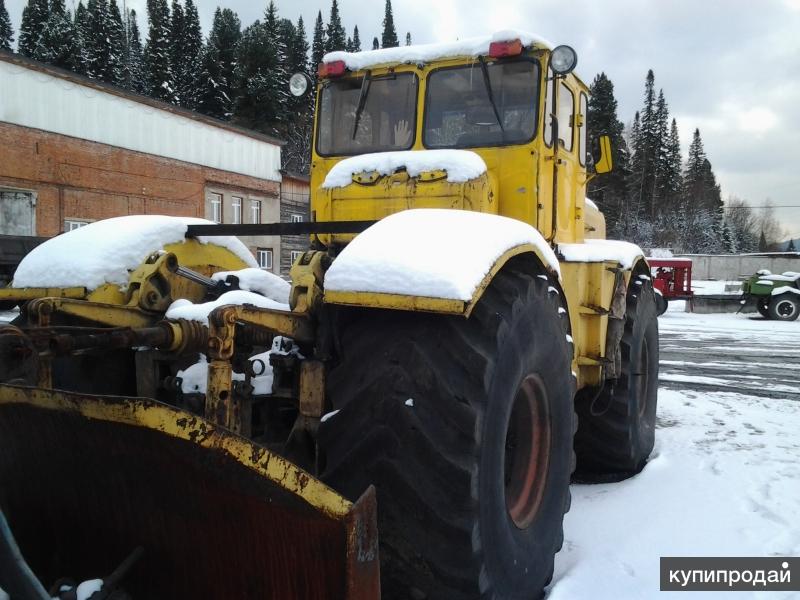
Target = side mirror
(605,163)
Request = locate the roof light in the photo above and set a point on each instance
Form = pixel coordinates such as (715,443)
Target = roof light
(503,49)
(331,69)
(563,60)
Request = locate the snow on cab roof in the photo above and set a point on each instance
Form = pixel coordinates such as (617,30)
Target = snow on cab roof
(423,53)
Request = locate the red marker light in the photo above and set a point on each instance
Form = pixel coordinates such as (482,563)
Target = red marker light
(503,49)
(332,69)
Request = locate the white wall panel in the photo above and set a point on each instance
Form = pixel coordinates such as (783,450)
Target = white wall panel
(41,101)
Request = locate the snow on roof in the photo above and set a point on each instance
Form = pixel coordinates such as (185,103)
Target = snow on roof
(105,251)
(450,253)
(424,53)
(461,165)
(624,253)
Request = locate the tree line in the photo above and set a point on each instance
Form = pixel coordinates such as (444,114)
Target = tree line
(235,74)
(655,198)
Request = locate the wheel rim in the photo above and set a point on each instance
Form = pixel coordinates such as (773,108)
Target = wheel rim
(642,383)
(785,309)
(527,452)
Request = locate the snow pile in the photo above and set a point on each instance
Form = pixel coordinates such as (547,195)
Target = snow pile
(259,281)
(461,165)
(105,251)
(661,253)
(184,309)
(624,253)
(437,253)
(424,53)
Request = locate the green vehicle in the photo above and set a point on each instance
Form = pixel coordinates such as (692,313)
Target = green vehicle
(775,296)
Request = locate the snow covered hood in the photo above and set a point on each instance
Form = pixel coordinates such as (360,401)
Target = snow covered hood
(624,253)
(435,253)
(105,251)
(461,165)
(424,53)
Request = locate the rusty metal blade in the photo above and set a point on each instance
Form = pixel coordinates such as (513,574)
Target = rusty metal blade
(86,479)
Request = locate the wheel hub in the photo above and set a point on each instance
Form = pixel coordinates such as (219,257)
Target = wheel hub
(527,452)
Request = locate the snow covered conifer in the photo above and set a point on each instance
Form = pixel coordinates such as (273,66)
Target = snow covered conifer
(59,43)
(356,43)
(6,30)
(176,54)
(34,17)
(375,43)
(335,36)
(260,95)
(317,43)
(215,86)
(389,35)
(103,41)
(408,38)
(133,65)
(158,71)
(189,73)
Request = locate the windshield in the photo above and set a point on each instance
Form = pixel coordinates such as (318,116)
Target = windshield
(460,111)
(385,120)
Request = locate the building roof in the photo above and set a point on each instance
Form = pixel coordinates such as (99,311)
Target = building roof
(28,63)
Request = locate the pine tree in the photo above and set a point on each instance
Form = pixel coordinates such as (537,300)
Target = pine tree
(642,184)
(335,36)
(608,190)
(103,41)
(158,71)
(215,87)
(389,36)
(318,44)
(133,67)
(356,44)
(375,43)
(790,246)
(260,77)
(674,169)
(59,42)
(176,51)
(408,38)
(660,157)
(34,17)
(6,30)
(762,242)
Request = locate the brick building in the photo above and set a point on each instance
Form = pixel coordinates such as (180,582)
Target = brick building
(74,150)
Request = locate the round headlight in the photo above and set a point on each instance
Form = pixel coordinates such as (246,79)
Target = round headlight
(299,84)
(563,59)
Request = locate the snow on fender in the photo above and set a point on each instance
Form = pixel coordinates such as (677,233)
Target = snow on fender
(430,259)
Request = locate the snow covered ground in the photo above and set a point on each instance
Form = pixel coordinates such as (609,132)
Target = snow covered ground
(724,479)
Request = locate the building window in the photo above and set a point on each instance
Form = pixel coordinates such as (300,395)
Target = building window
(255,211)
(297,218)
(236,205)
(264,256)
(70,224)
(296,254)
(216,207)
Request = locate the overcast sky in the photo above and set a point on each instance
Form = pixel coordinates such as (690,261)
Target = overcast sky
(729,67)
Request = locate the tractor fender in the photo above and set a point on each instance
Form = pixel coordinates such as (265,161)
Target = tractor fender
(431,260)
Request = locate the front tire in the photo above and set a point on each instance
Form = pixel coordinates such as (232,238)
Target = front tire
(762,306)
(785,307)
(617,426)
(465,428)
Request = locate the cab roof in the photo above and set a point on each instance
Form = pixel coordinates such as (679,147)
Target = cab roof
(425,53)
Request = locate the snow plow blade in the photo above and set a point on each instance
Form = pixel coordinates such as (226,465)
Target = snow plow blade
(84,480)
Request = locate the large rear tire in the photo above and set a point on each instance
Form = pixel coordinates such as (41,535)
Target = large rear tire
(616,430)
(465,428)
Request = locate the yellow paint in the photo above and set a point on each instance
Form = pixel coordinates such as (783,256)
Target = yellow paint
(175,423)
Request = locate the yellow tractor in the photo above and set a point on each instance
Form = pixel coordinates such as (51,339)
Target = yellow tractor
(458,343)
